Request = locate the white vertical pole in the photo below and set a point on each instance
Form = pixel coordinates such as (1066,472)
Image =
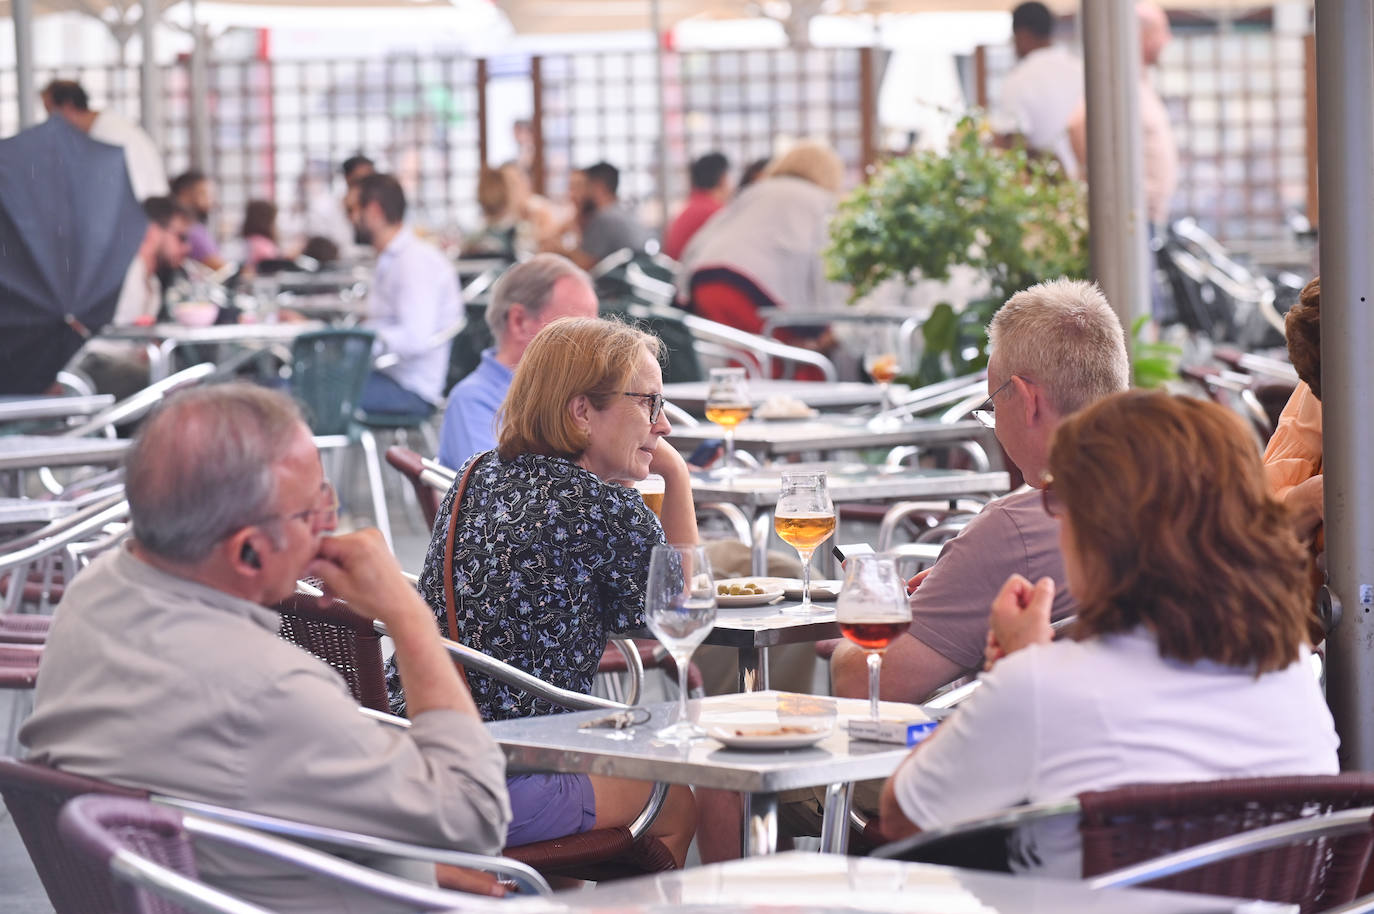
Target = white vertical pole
(656,24)
(199,101)
(22,12)
(150,91)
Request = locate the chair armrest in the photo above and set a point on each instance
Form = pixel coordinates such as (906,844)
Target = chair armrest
(1002,819)
(634,665)
(1345,822)
(138,405)
(527,879)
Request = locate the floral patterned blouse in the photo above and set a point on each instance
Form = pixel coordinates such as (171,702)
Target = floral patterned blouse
(549,561)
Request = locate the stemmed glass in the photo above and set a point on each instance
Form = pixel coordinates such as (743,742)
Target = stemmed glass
(804,518)
(680,609)
(727,405)
(872,611)
(883,362)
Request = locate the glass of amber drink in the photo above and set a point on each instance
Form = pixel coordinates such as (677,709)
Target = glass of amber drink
(651,489)
(872,611)
(727,405)
(804,518)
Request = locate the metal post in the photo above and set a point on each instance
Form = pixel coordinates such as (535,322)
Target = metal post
(1119,233)
(22,12)
(656,23)
(150,92)
(1345,81)
(200,95)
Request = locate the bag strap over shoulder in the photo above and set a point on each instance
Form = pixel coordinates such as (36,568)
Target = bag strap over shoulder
(451,604)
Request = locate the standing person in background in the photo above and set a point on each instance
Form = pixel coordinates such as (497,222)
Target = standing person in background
(752,172)
(259,232)
(710,177)
(66,98)
(196,194)
(1041,93)
(607,226)
(414,296)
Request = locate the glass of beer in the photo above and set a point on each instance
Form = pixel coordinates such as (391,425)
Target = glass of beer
(804,518)
(883,363)
(651,488)
(872,611)
(727,405)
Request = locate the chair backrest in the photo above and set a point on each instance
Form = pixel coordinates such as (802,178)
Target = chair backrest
(100,828)
(35,795)
(1135,823)
(341,639)
(466,352)
(328,369)
(679,355)
(412,466)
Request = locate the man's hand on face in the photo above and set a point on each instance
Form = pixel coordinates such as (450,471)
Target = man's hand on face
(360,569)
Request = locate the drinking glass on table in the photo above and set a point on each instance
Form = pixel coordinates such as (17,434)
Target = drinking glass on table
(680,609)
(882,351)
(727,405)
(652,489)
(804,518)
(872,611)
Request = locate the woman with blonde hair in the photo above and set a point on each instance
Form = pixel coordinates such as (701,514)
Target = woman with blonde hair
(550,551)
(763,249)
(1189,659)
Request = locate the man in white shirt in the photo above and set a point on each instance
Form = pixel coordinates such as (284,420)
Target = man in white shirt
(414,297)
(147,174)
(1041,93)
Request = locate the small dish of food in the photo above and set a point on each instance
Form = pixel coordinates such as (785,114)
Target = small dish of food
(747,591)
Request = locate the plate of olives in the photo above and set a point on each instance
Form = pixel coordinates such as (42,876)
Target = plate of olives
(747,591)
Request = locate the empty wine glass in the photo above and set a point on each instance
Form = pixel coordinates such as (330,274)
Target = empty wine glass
(804,518)
(727,405)
(872,611)
(680,609)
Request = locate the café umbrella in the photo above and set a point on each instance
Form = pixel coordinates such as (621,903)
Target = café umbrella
(69,228)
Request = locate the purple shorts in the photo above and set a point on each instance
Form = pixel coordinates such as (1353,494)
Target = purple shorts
(545,806)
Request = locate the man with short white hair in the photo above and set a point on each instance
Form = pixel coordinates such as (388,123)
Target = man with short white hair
(164,669)
(525,300)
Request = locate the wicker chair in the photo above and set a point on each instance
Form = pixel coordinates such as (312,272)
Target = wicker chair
(1138,823)
(146,854)
(598,855)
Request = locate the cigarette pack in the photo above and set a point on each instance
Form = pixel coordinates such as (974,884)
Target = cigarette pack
(901,732)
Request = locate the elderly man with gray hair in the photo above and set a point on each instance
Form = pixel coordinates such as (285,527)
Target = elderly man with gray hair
(526,299)
(164,669)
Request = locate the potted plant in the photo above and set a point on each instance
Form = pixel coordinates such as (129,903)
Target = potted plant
(1014,218)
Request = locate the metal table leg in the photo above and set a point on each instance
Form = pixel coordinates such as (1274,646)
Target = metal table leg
(835,822)
(760,824)
(763,527)
(753,669)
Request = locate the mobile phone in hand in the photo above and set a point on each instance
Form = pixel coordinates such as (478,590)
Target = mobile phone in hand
(706,452)
(847,551)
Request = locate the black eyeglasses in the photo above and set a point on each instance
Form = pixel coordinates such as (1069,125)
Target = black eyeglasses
(1049,500)
(985,413)
(655,402)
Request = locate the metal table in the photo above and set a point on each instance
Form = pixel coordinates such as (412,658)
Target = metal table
(31,452)
(15,512)
(752,631)
(161,340)
(812,884)
(758,490)
(17,409)
(556,743)
(768,439)
(691,395)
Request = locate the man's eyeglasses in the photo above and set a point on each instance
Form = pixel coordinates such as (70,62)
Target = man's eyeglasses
(655,402)
(324,515)
(1049,499)
(985,413)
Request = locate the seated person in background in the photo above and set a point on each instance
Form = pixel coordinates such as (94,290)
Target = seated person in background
(710,177)
(1293,459)
(763,249)
(525,300)
(414,297)
(606,226)
(196,194)
(752,172)
(551,552)
(1188,661)
(147,174)
(259,232)
(1056,348)
(497,237)
(164,669)
(321,249)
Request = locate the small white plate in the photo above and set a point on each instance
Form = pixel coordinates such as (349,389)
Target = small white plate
(767,737)
(822,591)
(772,589)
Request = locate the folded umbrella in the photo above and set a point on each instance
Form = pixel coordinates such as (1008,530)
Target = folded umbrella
(69,228)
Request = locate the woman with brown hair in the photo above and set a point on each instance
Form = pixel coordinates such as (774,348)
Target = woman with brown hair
(1293,459)
(259,232)
(550,551)
(1188,661)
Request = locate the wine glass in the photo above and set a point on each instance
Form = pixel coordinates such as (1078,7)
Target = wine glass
(872,611)
(883,362)
(804,518)
(680,609)
(727,405)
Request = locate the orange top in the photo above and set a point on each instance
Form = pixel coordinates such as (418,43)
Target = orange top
(1294,454)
